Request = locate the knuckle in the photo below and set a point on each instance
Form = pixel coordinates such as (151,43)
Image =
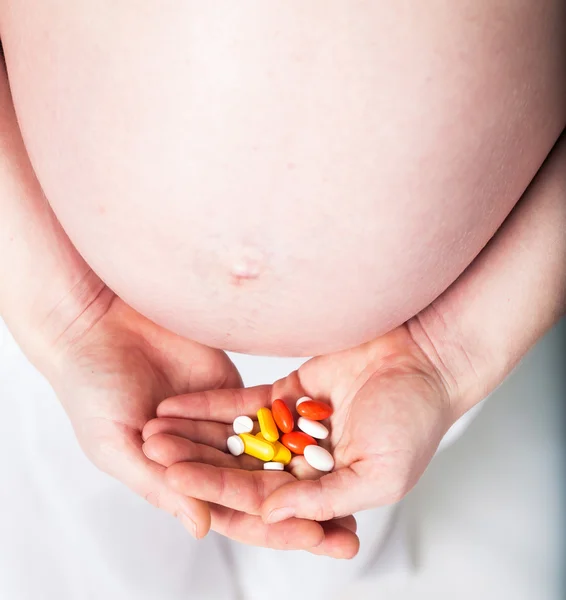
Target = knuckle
(222,486)
(259,493)
(238,401)
(207,403)
(324,510)
(323,513)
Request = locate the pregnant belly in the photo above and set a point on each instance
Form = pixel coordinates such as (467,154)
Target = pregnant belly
(283,178)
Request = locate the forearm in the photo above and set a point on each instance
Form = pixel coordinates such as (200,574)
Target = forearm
(45,285)
(515,290)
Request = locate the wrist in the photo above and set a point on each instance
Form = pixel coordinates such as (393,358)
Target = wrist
(468,373)
(514,291)
(47,291)
(45,329)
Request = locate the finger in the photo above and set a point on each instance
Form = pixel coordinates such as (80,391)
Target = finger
(293,534)
(216,405)
(339,541)
(127,463)
(348,522)
(241,490)
(337,494)
(168,449)
(234,379)
(194,513)
(301,469)
(202,432)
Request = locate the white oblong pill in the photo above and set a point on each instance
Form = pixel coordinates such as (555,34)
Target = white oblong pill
(301,400)
(319,458)
(243,425)
(235,445)
(274,466)
(313,428)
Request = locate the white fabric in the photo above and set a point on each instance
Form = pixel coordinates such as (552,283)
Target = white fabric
(69,532)
(488,517)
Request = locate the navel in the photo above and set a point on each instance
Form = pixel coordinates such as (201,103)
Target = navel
(247,264)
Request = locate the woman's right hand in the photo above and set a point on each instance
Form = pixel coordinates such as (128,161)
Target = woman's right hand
(111,370)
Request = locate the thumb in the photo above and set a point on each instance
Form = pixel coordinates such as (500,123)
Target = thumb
(337,494)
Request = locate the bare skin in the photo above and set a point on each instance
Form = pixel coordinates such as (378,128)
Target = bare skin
(395,397)
(391,410)
(121,369)
(283,178)
(254,182)
(109,365)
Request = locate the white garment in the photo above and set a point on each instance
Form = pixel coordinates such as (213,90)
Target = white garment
(69,532)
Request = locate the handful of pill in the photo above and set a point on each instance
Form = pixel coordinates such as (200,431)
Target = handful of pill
(276,451)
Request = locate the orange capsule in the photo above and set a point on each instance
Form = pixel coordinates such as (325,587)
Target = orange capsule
(297,441)
(282,416)
(314,410)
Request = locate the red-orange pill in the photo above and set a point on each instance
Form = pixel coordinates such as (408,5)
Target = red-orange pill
(297,441)
(314,410)
(282,415)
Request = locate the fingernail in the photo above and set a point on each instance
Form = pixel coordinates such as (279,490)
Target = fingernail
(280,514)
(189,524)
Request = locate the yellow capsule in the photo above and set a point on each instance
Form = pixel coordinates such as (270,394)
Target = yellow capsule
(257,447)
(282,453)
(267,425)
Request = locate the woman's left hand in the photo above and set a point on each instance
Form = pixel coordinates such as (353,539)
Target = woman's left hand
(391,409)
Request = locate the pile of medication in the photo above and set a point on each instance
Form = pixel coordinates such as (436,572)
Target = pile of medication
(276,451)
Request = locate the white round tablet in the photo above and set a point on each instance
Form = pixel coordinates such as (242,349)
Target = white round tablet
(319,458)
(303,399)
(243,425)
(274,466)
(313,428)
(235,445)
